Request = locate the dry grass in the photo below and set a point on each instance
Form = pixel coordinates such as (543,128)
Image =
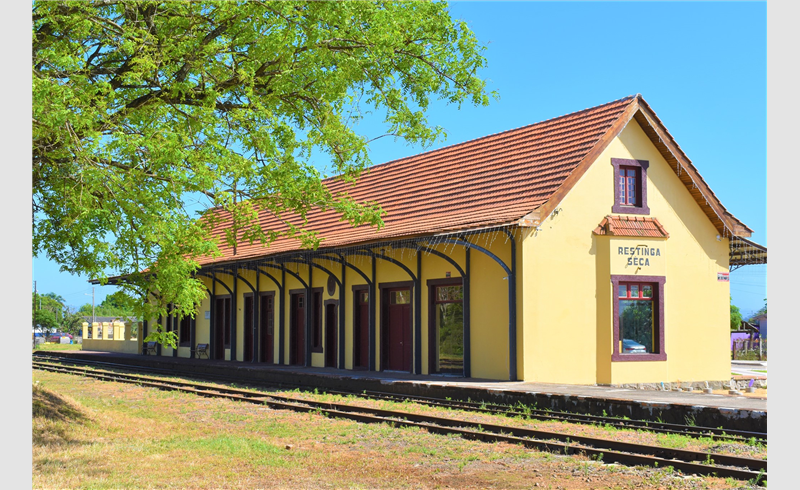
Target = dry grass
(94,434)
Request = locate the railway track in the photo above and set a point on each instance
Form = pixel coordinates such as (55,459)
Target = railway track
(609,451)
(478,407)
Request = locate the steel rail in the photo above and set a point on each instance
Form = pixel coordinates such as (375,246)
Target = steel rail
(611,450)
(479,407)
(571,417)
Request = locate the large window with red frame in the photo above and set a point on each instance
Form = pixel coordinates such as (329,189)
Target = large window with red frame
(637,326)
(448,329)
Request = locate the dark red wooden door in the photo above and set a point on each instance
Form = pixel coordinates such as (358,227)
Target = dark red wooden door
(361,330)
(298,335)
(267,334)
(330,335)
(397,329)
(222,317)
(248,329)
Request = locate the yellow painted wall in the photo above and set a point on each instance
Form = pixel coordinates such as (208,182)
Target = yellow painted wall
(568,297)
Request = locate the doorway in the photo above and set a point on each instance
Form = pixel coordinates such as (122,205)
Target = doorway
(396,329)
(361,328)
(266,334)
(247,355)
(222,325)
(446,327)
(331,341)
(297,334)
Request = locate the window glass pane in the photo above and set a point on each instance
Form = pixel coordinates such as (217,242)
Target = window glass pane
(636,326)
(647,291)
(400,297)
(631,190)
(634,290)
(364,297)
(449,293)
(623,291)
(450,337)
(622,186)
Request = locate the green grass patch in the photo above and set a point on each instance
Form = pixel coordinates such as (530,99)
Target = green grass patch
(49,346)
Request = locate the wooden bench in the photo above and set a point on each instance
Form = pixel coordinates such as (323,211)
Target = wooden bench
(149,348)
(200,350)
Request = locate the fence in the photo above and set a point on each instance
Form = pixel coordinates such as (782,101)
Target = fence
(749,349)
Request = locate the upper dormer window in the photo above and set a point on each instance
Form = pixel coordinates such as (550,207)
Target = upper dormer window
(630,186)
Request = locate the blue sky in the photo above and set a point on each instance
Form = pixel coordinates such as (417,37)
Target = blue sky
(701,66)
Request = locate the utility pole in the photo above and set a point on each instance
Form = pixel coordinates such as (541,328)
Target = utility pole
(86,294)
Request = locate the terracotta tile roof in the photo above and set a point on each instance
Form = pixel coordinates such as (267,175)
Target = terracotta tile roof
(631,226)
(488,181)
(494,180)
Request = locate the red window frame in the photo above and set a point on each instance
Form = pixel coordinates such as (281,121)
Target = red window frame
(640,289)
(433,296)
(657,283)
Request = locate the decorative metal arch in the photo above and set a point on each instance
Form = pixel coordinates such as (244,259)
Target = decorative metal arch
(512,293)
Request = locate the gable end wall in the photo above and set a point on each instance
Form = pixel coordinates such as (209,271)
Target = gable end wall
(567,320)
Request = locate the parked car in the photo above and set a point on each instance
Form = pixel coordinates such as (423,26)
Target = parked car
(56,337)
(632,347)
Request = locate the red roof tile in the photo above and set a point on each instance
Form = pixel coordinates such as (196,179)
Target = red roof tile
(631,226)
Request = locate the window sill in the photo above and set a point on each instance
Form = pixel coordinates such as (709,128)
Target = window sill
(638,357)
(623,209)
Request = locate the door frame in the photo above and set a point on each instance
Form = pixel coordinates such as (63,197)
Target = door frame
(432,284)
(384,324)
(261,334)
(357,290)
(245,316)
(219,329)
(326,339)
(293,326)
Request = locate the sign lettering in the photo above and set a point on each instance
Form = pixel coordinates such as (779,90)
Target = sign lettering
(639,256)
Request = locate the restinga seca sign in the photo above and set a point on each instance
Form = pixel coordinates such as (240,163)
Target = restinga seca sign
(638,256)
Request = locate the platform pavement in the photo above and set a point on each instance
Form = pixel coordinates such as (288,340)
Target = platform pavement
(712,410)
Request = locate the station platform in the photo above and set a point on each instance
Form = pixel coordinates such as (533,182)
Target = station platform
(732,412)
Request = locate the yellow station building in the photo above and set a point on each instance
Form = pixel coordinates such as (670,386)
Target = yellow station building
(585,249)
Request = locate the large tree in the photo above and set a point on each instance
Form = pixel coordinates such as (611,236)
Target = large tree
(145,113)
